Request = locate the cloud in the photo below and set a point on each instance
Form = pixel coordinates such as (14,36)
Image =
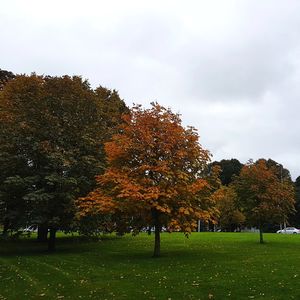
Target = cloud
(232,68)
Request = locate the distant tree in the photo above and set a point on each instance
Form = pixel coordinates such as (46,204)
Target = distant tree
(111,108)
(229,169)
(5,76)
(53,132)
(263,196)
(155,176)
(281,172)
(230,215)
(295,219)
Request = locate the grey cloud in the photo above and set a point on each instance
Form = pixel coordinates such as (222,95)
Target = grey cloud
(232,69)
(244,66)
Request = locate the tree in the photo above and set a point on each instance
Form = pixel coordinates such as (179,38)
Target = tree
(295,219)
(5,76)
(230,215)
(229,169)
(53,132)
(281,172)
(263,196)
(155,176)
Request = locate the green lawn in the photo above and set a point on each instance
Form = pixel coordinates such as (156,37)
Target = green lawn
(205,266)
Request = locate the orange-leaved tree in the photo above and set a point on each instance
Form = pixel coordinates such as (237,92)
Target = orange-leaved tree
(156,176)
(263,197)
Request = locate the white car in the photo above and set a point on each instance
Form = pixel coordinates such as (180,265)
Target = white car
(289,230)
(30,229)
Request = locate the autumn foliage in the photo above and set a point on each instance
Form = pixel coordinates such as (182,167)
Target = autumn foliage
(155,176)
(230,216)
(263,196)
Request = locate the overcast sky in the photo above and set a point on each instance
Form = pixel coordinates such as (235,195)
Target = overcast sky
(231,68)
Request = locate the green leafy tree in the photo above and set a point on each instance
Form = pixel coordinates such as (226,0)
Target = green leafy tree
(14,214)
(281,172)
(229,169)
(55,127)
(5,76)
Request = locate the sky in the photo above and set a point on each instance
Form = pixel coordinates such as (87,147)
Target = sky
(230,68)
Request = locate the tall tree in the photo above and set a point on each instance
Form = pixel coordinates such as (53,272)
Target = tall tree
(229,169)
(54,129)
(155,176)
(263,196)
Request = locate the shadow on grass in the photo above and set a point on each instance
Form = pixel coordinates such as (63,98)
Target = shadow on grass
(218,247)
(28,246)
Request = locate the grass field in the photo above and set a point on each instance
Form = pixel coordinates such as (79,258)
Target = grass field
(205,266)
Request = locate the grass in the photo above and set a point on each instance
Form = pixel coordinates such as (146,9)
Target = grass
(205,266)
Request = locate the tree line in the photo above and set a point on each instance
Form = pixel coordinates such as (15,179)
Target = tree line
(74,158)
(259,194)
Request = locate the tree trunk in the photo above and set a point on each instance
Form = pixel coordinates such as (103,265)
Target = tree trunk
(261,240)
(42,233)
(157,242)
(51,240)
(157,225)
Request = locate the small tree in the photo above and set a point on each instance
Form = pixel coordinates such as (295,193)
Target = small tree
(230,215)
(155,176)
(263,196)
